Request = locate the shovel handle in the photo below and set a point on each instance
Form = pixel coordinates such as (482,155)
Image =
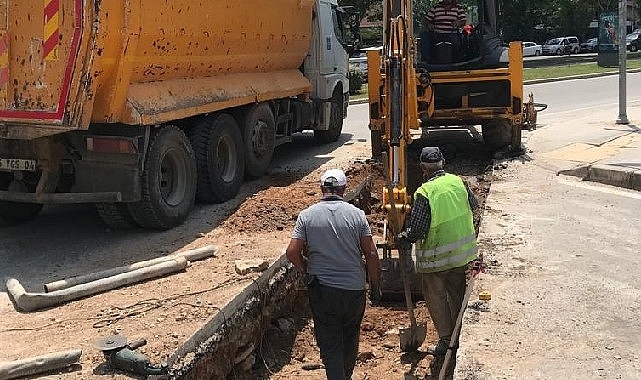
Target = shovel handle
(457,329)
(406,285)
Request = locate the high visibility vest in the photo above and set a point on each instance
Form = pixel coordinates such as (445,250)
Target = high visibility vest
(451,240)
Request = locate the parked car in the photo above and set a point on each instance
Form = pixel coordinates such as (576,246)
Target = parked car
(590,46)
(562,45)
(359,63)
(531,48)
(633,41)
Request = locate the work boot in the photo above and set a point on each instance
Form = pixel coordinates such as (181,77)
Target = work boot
(440,349)
(437,364)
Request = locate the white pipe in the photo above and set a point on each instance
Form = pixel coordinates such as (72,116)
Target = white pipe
(39,364)
(191,255)
(34,301)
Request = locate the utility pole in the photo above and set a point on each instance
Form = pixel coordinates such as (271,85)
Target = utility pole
(623,53)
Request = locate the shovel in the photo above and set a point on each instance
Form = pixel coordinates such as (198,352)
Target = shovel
(413,337)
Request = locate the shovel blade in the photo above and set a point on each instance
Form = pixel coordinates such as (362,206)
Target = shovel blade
(411,338)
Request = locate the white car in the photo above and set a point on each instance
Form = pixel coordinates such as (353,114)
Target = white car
(359,63)
(531,48)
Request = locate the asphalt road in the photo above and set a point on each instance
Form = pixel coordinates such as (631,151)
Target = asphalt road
(563,253)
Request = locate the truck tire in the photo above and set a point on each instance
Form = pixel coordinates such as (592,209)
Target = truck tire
(116,215)
(335,121)
(218,148)
(497,133)
(12,213)
(259,139)
(168,181)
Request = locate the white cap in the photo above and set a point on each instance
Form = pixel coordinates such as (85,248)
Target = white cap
(334,178)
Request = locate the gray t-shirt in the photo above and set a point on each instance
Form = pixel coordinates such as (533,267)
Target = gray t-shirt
(332,230)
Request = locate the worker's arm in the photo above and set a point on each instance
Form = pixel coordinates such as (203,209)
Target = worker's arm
(294,253)
(419,223)
(471,198)
(429,20)
(373,266)
(372,261)
(461,17)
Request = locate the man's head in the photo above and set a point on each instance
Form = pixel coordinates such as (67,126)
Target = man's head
(431,159)
(333,181)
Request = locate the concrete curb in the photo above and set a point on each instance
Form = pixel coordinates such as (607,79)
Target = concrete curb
(613,175)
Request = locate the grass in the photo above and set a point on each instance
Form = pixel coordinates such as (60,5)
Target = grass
(575,69)
(547,73)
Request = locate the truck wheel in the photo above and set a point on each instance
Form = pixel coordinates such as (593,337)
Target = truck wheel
(259,138)
(116,215)
(335,121)
(497,133)
(168,181)
(633,48)
(12,213)
(219,157)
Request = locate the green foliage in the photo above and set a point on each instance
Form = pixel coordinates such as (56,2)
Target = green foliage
(372,36)
(539,20)
(356,80)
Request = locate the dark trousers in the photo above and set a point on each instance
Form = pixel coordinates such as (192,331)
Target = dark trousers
(337,315)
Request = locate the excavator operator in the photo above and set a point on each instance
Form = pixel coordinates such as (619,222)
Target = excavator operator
(444,21)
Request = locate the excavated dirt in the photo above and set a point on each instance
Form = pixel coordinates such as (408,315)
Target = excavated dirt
(169,310)
(288,348)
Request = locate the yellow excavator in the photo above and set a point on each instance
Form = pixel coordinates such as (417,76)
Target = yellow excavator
(415,86)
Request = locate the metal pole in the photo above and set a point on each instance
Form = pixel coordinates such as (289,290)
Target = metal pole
(623,52)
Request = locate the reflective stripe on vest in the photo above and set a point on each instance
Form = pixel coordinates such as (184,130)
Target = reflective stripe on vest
(451,240)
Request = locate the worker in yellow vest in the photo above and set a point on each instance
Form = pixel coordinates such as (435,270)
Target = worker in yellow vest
(441,226)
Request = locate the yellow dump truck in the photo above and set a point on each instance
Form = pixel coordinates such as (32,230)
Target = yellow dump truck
(142,107)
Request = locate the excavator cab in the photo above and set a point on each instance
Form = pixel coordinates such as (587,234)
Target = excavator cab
(477,44)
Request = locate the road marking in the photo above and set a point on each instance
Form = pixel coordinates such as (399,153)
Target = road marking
(602,188)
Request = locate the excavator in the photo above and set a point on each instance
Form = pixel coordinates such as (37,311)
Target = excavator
(415,86)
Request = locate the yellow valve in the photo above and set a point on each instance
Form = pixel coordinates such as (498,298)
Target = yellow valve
(484,295)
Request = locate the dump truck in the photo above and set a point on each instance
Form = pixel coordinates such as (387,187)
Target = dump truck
(417,84)
(143,107)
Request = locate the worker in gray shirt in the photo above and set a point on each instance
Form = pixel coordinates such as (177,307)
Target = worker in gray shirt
(328,244)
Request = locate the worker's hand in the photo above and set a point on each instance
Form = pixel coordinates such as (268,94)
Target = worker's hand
(475,267)
(403,242)
(375,295)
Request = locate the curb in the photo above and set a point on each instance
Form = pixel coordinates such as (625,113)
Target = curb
(613,175)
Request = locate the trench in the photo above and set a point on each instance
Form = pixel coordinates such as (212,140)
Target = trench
(254,336)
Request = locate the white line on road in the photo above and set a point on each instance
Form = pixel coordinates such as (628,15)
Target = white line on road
(596,186)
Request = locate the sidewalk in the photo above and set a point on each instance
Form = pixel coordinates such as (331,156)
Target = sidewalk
(594,148)
(563,257)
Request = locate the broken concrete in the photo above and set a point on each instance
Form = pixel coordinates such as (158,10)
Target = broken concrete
(212,351)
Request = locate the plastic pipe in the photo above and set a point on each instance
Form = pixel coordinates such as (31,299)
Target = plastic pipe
(38,364)
(34,301)
(191,255)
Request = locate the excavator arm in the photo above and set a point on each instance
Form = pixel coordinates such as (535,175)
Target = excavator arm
(393,99)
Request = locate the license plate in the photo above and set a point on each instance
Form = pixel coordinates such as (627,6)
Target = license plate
(17,164)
